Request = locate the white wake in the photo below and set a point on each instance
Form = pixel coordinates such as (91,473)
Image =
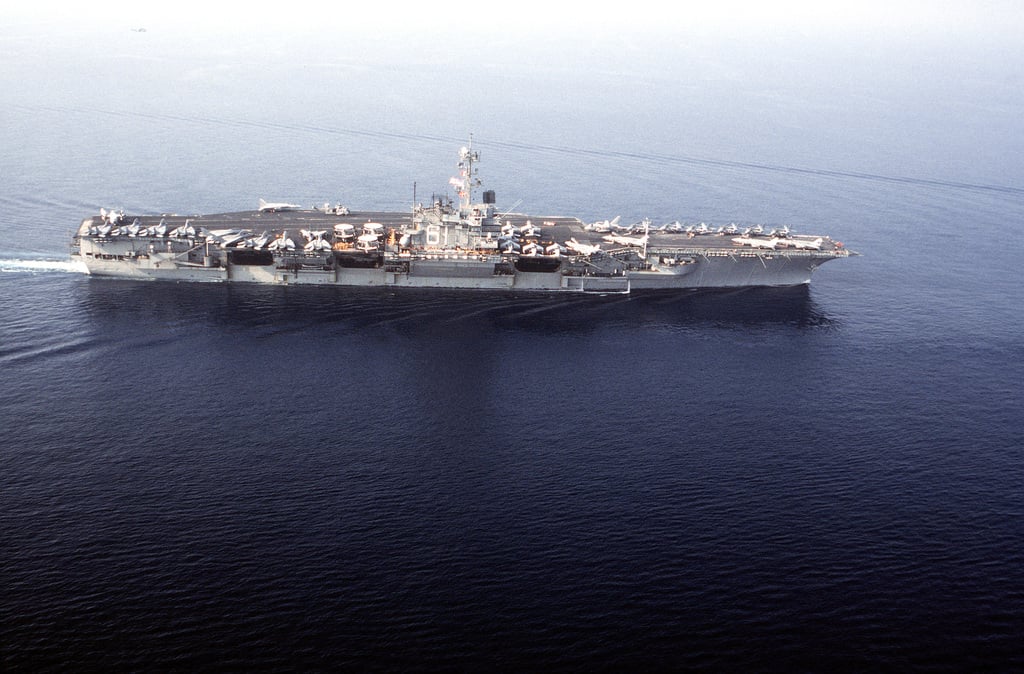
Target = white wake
(41,266)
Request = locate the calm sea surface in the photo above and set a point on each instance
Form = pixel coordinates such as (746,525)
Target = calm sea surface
(206,477)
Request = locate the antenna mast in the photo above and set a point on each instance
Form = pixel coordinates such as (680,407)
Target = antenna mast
(467,157)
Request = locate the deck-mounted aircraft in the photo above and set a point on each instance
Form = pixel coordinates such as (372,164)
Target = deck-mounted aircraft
(277,206)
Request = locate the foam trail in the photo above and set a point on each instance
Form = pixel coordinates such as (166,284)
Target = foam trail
(41,266)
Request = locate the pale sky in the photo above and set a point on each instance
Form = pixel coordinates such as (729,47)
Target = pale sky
(710,16)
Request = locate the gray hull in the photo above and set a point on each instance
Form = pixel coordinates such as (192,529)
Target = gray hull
(195,260)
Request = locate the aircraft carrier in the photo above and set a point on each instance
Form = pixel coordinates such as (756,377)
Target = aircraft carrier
(444,244)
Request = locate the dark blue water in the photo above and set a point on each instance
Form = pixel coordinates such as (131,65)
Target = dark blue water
(206,477)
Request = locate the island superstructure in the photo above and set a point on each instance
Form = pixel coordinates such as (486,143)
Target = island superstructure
(466,245)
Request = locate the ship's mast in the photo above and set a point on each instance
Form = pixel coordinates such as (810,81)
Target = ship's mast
(467,157)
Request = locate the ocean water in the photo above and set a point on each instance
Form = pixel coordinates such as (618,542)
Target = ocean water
(200,477)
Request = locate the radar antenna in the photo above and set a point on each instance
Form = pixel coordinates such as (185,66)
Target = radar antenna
(467,175)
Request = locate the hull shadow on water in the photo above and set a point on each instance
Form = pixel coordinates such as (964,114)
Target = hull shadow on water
(411,311)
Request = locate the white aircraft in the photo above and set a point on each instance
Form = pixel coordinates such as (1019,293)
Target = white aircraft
(278,206)
(282,243)
(582,248)
(532,249)
(235,238)
(315,240)
(630,240)
(184,230)
(805,244)
(112,217)
(603,225)
(260,242)
(529,229)
(317,244)
(626,240)
(756,243)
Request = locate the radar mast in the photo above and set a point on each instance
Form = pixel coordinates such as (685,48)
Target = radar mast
(467,176)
